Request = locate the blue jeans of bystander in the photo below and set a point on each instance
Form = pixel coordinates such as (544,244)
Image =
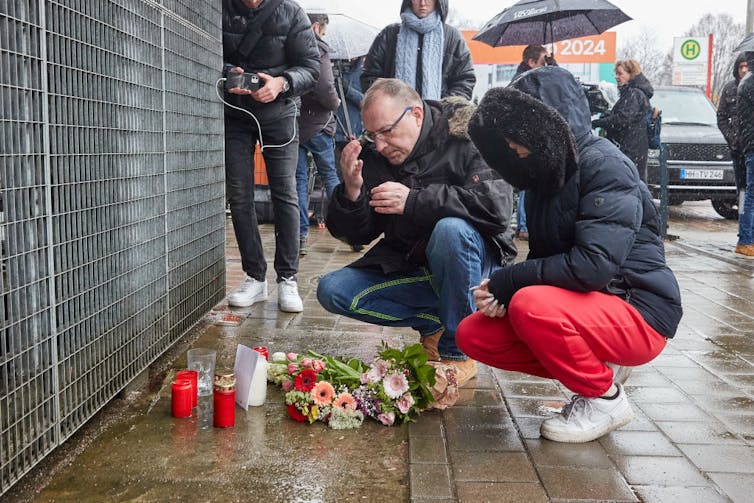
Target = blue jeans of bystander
(746,219)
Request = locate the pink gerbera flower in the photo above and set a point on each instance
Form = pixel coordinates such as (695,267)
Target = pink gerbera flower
(395,384)
(322,393)
(345,401)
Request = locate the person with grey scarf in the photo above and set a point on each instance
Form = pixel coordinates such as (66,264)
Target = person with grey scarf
(422,51)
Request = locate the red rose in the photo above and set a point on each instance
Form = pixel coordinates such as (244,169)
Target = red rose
(296,414)
(305,380)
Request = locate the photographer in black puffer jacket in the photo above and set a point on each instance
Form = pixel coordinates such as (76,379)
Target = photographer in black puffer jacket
(274,40)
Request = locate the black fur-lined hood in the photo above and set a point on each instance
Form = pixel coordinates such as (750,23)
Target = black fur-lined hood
(545,110)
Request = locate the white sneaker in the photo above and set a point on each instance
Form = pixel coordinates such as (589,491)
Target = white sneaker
(585,419)
(288,298)
(620,372)
(248,293)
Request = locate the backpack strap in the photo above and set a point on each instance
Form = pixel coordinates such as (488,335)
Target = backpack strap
(254,29)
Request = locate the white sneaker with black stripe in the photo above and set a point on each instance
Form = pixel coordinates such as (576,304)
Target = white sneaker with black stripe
(586,419)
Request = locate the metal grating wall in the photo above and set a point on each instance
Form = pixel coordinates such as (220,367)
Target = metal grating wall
(111,203)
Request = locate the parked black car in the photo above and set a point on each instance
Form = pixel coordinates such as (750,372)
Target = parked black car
(698,160)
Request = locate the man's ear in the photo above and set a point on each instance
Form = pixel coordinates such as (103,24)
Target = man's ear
(418,112)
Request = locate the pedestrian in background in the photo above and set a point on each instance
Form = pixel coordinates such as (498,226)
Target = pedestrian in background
(316,131)
(626,123)
(422,51)
(745,112)
(274,40)
(727,122)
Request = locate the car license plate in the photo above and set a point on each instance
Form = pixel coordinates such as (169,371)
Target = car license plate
(701,174)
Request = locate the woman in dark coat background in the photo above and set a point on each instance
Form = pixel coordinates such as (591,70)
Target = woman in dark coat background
(423,51)
(626,124)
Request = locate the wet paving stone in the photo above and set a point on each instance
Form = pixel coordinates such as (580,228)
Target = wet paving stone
(638,443)
(721,458)
(571,483)
(548,453)
(660,471)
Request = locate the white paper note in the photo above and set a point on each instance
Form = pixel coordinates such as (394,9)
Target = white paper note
(246,362)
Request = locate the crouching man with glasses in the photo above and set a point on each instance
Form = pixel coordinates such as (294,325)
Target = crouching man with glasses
(415,177)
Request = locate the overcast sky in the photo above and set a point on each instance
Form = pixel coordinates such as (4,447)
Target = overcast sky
(668,18)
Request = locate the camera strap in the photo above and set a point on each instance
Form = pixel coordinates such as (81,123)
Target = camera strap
(254,29)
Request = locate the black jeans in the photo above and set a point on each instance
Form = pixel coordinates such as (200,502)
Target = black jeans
(241,136)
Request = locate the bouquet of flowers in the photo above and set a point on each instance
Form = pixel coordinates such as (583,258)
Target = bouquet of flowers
(395,387)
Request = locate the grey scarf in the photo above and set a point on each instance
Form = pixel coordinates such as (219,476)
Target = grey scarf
(431,50)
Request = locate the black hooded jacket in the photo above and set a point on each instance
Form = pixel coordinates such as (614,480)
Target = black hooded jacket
(446,177)
(458,77)
(626,124)
(286,47)
(727,119)
(745,108)
(592,225)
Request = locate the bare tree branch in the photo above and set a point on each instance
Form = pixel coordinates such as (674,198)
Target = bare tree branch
(644,49)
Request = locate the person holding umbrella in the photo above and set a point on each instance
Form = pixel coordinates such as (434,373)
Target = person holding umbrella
(595,292)
(626,123)
(423,51)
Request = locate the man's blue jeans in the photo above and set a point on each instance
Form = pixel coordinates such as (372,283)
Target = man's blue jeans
(322,148)
(746,218)
(521,212)
(426,299)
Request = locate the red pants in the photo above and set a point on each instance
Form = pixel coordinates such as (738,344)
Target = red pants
(564,335)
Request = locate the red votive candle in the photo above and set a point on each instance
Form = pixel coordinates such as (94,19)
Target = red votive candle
(181,398)
(193,376)
(262,350)
(224,399)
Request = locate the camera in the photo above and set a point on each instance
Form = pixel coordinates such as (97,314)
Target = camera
(246,80)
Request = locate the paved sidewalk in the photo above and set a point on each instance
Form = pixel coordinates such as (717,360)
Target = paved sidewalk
(692,440)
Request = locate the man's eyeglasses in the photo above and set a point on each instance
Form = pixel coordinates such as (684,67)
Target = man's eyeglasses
(385,133)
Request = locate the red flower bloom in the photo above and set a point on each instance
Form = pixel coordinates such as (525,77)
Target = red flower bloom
(305,380)
(296,414)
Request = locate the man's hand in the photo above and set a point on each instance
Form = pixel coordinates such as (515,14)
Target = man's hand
(350,168)
(485,301)
(270,89)
(389,198)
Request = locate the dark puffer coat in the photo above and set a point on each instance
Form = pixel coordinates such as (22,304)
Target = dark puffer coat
(458,77)
(592,225)
(745,108)
(287,47)
(318,107)
(626,124)
(447,178)
(727,118)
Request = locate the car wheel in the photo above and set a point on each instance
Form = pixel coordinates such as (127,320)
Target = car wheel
(726,208)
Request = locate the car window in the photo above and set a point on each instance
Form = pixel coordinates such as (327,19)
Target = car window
(684,107)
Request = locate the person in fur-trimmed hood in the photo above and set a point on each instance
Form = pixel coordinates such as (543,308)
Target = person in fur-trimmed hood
(443,212)
(594,294)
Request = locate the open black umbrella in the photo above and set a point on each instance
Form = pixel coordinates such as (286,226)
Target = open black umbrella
(546,21)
